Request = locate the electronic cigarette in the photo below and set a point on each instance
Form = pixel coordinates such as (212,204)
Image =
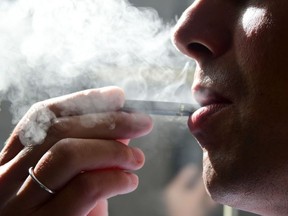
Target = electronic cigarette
(159,107)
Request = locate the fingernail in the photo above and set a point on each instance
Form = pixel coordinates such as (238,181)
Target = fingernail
(133,183)
(143,122)
(138,155)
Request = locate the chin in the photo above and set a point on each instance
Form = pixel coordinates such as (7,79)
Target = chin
(225,185)
(233,185)
(221,191)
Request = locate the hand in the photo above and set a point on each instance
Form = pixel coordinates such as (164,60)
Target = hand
(186,194)
(84,156)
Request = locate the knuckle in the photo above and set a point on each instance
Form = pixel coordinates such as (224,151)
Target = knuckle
(103,184)
(66,152)
(33,127)
(59,128)
(34,109)
(37,106)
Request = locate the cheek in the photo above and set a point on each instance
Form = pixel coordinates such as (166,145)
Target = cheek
(253,21)
(260,41)
(261,52)
(251,38)
(258,47)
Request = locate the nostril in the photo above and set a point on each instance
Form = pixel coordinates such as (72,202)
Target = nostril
(199,50)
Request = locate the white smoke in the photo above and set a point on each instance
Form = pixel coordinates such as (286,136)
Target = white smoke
(51,47)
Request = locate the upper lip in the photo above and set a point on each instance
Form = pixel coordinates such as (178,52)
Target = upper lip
(207,96)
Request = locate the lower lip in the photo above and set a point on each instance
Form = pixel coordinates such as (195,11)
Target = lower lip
(200,117)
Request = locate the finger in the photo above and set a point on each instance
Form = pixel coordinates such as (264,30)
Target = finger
(95,100)
(72,156)
(86,126)
(43,113)
(110,125)
(101,209)
(98,126)
(80,195)
(87,101)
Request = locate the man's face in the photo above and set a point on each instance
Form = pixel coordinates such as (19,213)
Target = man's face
(241,81)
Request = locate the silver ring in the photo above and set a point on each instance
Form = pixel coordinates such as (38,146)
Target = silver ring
(31,173)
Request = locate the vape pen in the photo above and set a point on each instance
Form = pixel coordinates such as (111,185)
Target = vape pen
(159,107)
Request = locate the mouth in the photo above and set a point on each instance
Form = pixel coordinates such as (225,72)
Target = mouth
(211,104)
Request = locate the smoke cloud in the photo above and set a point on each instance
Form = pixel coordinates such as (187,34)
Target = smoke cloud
(51,48)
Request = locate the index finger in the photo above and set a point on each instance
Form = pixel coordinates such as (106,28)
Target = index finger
(43,113)
(87,101)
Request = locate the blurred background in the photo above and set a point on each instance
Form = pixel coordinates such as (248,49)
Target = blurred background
(170,182)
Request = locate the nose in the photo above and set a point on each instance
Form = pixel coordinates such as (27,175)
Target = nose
(204,30)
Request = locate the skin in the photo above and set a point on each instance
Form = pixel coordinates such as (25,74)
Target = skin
(85,157)
(240,48)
